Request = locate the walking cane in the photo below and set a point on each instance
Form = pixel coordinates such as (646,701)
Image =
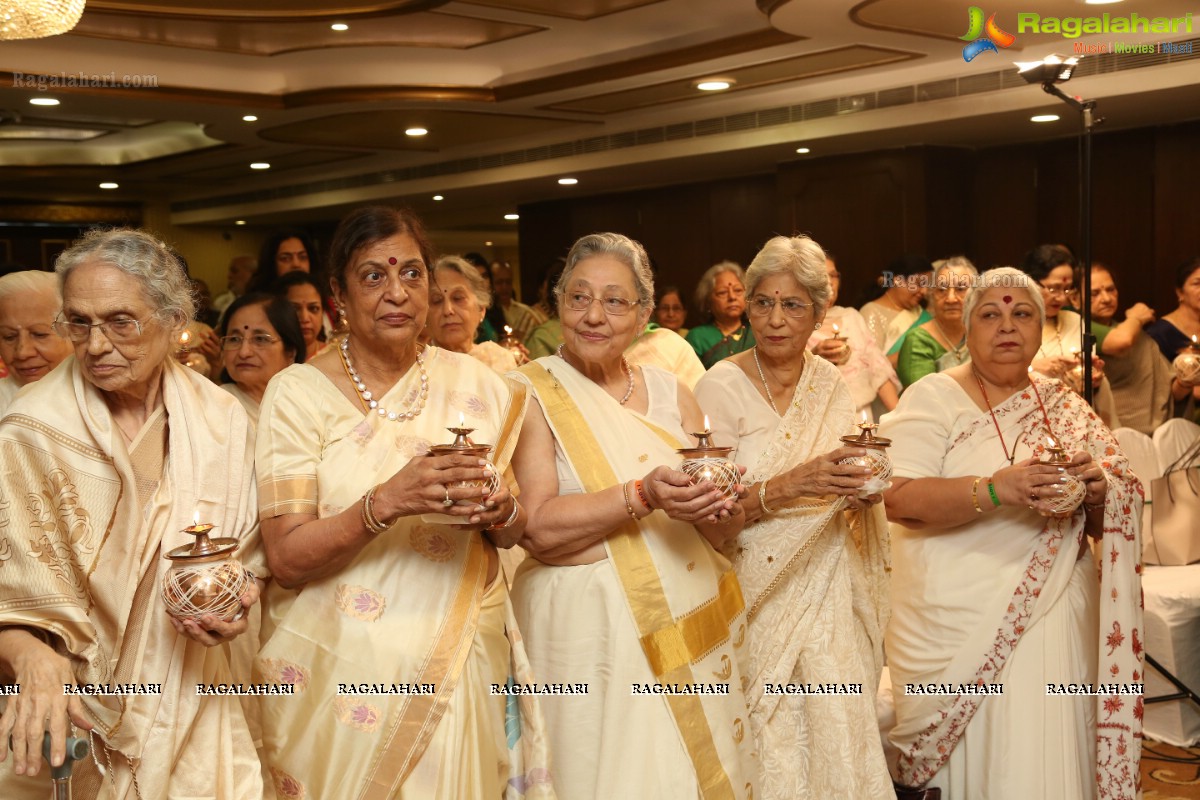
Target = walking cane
(77,750)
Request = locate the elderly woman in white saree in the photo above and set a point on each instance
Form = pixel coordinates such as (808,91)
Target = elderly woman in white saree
(989,587)
(103,462)
(624,590)
(812,560)
(374,593)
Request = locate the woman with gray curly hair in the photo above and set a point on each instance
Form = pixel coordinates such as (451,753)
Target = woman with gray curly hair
(721,294)
(625,555)
(812,558)
(458,299)
(941,343)
(106,460)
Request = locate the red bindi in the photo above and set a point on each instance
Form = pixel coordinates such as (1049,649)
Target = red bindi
(392,260)
(1007,299)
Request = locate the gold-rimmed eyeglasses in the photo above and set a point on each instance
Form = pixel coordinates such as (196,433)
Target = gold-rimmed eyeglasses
(259,341)
(761,306)
(613,306)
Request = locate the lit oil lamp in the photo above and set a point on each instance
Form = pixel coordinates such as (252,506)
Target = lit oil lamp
(462,445)
(1187,364)
(707,462)
(204,577)
(876,456)
(510,343)
(1073,377)
(1073,489)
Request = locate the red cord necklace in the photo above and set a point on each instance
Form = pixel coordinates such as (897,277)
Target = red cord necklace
(1036,393)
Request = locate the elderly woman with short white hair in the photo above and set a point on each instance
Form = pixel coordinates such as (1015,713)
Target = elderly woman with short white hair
(812,559)
(623,554)
(458,299)
(105,461)
(29,345)
(941,343)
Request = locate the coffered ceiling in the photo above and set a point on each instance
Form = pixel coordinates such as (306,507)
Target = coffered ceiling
(514,94)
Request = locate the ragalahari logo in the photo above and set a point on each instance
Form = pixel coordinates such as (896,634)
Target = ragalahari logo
(983,36)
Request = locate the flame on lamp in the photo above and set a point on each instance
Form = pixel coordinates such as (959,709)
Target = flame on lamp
(462,422)
(507,330)
(706,425)
(184,338)
(196,518)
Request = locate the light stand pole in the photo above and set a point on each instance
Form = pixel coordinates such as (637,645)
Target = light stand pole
(1050,72)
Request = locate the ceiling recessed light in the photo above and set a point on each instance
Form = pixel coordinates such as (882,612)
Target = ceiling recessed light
(42,101)
(415,132)
(1044,118)
(1100,2)
(249,118)
(239,222)
(110,185)
(487,244)
(260,165)
(714,84)
(512,216)
(339,26)
(438,197)
(568,181)
(803,150)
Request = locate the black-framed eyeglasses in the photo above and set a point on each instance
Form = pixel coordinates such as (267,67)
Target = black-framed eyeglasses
(121,330)
(613,306)
(761,306)
(259,341)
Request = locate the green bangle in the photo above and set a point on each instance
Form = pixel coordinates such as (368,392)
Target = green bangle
(992,493)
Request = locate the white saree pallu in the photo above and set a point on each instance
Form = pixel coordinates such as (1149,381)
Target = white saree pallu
(395,659)
(84,524)
(663,610)
(815,581)
(1012,603)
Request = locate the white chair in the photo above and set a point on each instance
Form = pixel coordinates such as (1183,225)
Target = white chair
(1143,457)
(1172,439)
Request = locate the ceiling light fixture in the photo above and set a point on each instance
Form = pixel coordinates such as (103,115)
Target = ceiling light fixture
(109,185)
(239,222)
(1044,118)
(249,118)
(415,132)
(260,165)
(512,216)
(568,181)
(1101,2)
(37,19)
(42,101)
(438,197)
(803,150)
(339,26)
(714,84)
(487,244)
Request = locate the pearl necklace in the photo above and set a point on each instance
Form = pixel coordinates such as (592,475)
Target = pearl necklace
(624,364)
(763,378)
(371,404)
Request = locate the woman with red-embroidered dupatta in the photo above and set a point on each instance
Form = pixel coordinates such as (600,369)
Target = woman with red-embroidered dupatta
(992,586)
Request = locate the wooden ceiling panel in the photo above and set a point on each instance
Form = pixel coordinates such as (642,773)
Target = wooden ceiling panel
(241,174)
(383,129)
(570,9)
(421,29)
(249,10)
(796,68)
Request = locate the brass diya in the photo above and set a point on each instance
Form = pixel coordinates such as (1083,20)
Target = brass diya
(1073,489)
(1187,364)
(205,578)
(462,445)
(707,462)
(513,345)
(876,457)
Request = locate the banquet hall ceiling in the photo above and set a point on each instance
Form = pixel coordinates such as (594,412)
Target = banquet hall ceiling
(517,93)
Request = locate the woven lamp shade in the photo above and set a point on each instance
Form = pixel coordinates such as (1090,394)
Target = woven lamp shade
(37,19)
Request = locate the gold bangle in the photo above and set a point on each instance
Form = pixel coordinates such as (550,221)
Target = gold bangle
(628,506)
(370,521)
(762,496)
(975,495)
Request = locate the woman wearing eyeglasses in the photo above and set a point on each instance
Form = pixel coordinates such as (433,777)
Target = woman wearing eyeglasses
(722,294)
(625,589)
(103,463)
(941,343)
(260,336)
(812,558)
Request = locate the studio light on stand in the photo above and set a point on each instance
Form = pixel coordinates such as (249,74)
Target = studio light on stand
(1049,72)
